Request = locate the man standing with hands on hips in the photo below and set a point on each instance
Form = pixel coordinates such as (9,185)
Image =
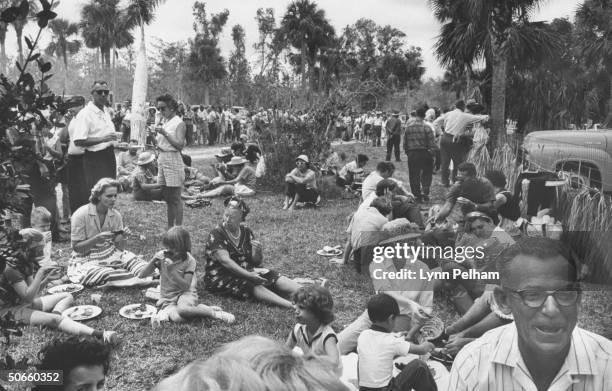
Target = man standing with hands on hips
(95,132)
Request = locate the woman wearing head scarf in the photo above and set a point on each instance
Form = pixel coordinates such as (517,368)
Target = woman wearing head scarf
(301,184)
(232,255)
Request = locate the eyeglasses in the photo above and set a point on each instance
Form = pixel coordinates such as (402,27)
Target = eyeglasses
(564,297)
(103,92)
(162,108)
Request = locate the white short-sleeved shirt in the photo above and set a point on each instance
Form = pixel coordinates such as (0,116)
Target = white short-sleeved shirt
(376,350)
(349,167)
(85,223)
(315,346)
(92,122)
(494,362)
(73,149)
(365,226)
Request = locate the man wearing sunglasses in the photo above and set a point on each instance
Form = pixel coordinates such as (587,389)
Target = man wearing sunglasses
(543,349)
(95,132)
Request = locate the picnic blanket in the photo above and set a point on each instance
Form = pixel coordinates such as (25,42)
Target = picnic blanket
(107,267)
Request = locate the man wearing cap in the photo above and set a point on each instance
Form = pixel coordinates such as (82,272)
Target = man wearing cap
(144,179)
(418,145)
(351,171)
(394,134)
(452,145)
(301,184)
(377,129)
(94,131)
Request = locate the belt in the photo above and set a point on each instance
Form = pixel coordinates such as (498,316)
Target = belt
(448,134)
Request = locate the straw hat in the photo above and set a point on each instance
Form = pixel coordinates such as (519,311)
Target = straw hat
(236,161)
(145,158)
(303,158)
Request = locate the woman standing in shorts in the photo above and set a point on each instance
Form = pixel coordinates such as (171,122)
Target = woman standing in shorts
(170,141)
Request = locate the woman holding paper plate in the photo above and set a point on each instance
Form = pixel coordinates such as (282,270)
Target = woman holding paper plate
(232,257)
(20,288)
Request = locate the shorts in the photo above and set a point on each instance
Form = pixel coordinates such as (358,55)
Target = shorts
(171,169)
(187,299)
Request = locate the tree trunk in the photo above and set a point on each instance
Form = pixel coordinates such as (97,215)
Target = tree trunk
(468,82)
(138,129)
(206,90)
(19,31)
(3,57)
(65,84)
(498,101)
(114,74)
(608,121)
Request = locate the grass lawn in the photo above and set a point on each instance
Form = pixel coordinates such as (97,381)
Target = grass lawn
(290,240)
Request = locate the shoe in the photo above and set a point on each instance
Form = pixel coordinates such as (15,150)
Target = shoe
(318,201)
(224,316)
(111,338)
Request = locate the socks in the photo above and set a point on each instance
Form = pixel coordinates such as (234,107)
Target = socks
(69,326)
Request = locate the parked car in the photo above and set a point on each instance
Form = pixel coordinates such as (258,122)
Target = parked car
(587,153)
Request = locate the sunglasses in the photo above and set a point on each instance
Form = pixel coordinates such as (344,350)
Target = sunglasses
(103,92)
(564,297)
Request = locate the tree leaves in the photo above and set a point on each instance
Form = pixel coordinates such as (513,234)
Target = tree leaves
(45,15)
(9,15)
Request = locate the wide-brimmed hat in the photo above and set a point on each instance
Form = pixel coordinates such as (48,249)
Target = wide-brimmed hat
(395,113)
(224,152)
(303,158)
(145,158)
(236,161)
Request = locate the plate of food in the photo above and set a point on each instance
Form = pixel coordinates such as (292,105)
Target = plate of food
(65,288)
(432,328)
(328,251)
(260,270)
(82,312)
(138,311)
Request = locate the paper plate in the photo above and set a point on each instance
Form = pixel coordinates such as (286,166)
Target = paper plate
(82,312)
(260,270)
(133,311)
(66,288)
(334,253)
(432,328)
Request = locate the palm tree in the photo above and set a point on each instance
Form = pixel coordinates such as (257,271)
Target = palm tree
(61,46)
(307,29)
(495,30)
(140,13)
(105,26)
(594,22)
(20,22)
(3,29)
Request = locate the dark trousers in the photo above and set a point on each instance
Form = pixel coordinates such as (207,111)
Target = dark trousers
(420,170)
(212,133)
(408,210)
(98,165)
(393,142)
(78,193)
(376,136)
(189,134)
(415,376)
(449,150)
(304,194)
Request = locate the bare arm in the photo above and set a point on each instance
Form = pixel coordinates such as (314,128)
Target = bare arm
(89,141)
(223,257)
(178,140)
(445,211)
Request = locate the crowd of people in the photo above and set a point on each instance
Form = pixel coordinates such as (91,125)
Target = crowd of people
(525,318)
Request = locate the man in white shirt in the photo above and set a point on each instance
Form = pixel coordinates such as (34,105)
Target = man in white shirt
(377,123)
(543,349)
(95,132)
(453,144)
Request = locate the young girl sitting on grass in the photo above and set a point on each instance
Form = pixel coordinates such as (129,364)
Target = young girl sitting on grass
(313,332)
(176,265)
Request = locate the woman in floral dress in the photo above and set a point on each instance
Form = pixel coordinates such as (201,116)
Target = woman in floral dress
(232,255)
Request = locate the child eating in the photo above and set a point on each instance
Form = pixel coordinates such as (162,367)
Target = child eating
(176,265)
(377,348)
(313,333)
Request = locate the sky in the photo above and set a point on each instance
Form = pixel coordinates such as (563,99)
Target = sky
(174,20)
